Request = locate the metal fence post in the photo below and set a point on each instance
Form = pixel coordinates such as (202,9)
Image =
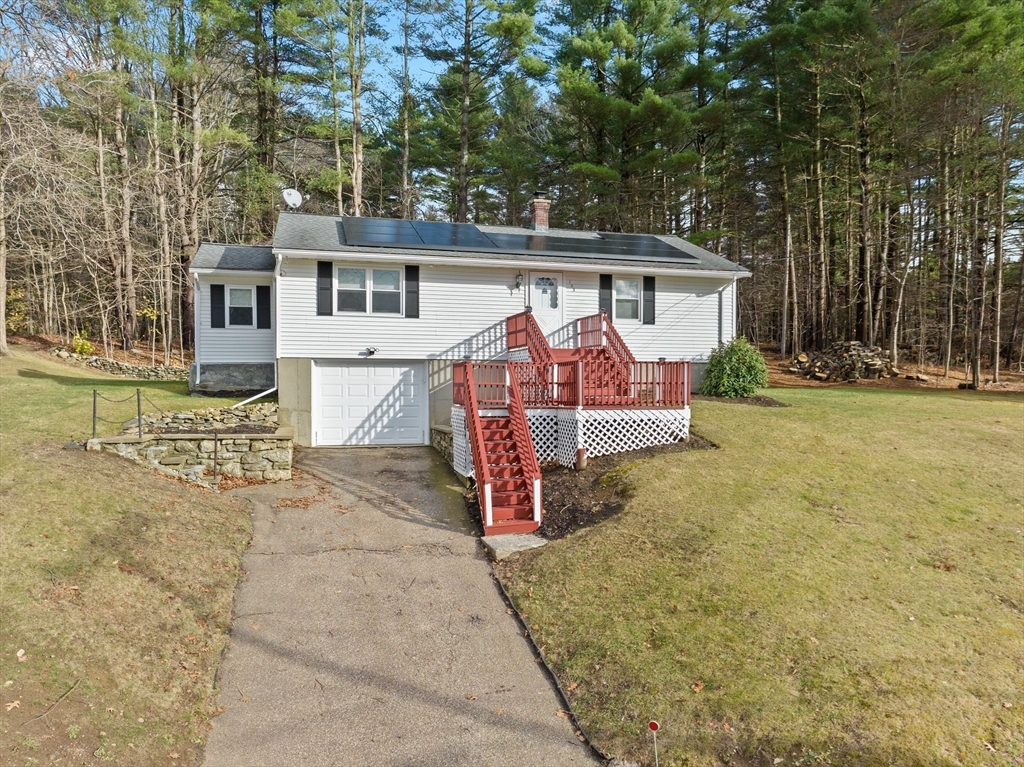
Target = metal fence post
(94,414)
(138,409)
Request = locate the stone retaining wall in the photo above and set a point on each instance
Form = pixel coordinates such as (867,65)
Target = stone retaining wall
(209,419)
(442,442)
(191,456)
(144,372)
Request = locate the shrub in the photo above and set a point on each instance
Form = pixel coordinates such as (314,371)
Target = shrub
(735,370)
(81,344)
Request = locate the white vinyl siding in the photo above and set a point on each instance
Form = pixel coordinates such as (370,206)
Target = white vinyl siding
(233,345)
(463,311)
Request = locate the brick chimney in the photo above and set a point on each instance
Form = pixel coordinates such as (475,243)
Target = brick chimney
(540,205)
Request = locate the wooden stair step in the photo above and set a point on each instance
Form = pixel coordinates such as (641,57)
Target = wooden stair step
(500,445)
(517,511)
(497,434)
(504,459)
(495,422)
(510,498)
(507,472)
(511,526)
(510,485)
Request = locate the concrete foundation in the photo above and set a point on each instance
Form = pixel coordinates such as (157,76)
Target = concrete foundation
(232,377)
(295,397)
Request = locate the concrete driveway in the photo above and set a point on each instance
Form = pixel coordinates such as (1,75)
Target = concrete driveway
(368,630)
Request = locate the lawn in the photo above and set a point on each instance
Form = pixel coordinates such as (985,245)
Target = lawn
(115,582)
(840,583)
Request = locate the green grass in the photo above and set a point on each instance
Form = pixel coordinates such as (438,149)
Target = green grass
(115,582)
(840,583)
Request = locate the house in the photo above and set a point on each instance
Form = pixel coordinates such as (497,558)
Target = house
(376,331)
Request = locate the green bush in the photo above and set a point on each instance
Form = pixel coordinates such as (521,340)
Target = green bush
(735,370)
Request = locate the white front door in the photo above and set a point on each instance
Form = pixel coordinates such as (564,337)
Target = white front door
(371,403)
(546,298)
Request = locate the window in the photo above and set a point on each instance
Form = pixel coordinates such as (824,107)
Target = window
(351,290)
(240,307)
(384,287)
(627,299)
(387,295)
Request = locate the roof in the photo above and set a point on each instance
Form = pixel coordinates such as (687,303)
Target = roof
(339,234)
(239,258)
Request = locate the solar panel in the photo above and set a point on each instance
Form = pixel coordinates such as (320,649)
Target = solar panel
(434,235)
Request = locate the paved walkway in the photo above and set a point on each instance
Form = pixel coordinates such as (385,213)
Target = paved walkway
(368,630)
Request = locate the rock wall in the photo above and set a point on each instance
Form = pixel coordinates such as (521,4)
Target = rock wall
(209,419)
(144,372)
(192,456)
(442,441)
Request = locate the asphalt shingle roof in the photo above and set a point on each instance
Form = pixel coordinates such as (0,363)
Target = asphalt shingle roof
(307,231)
(242,258)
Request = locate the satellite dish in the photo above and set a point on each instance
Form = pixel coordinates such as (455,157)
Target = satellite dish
(292,197)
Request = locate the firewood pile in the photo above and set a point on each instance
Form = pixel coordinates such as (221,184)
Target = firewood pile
(845,361)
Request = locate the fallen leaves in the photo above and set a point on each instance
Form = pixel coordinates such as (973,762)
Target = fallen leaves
(298,502)
(697,686)
(470,696)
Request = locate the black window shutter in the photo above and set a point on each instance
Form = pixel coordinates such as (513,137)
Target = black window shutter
(604,294)
(648,307)
(412,291)
(263,307)
(216,306)
(324,283)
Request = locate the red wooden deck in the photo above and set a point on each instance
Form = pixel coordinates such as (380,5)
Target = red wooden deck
(601,372)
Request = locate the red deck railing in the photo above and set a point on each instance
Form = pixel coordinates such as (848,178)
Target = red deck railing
(467,388)
(597,331)
(605,376)
(523,331)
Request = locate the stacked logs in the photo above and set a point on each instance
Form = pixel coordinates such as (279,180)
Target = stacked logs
(845,361)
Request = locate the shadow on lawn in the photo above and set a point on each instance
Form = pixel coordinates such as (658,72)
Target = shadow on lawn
(171,387)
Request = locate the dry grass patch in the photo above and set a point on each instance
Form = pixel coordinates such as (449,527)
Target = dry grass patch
(841,583)
(116,583)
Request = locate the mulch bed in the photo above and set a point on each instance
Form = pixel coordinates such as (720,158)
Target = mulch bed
(577,499)
(758,401)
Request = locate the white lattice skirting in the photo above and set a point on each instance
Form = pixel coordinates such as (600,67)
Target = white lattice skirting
(603,432)
(559,433)
(461,450)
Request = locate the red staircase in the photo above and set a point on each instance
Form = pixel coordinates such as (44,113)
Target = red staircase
(508,476)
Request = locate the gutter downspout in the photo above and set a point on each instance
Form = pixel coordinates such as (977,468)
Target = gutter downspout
(196,326)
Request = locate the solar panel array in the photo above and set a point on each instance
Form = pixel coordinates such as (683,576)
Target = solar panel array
(433,235)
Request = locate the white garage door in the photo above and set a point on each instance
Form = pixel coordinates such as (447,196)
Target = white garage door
(371,403)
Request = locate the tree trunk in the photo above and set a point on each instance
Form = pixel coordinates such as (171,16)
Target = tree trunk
(124,230)
(462,193)
(406,201)
(4,350)
(357,63)
(997,315)
(819,205)
(864,308)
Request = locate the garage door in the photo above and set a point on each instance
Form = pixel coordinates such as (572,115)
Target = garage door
(371,403)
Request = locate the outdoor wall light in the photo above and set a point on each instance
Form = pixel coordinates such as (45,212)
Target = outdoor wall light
(371,350)
(519,280)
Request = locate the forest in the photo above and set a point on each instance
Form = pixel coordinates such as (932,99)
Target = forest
(863,158)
